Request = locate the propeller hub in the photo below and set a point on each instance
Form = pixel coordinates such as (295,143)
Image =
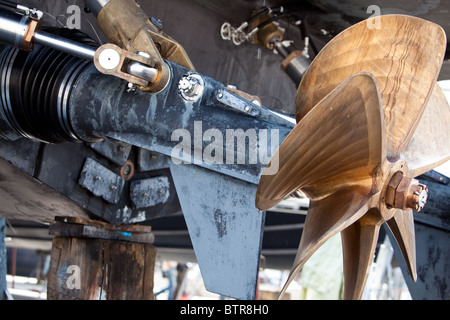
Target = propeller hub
(404,192)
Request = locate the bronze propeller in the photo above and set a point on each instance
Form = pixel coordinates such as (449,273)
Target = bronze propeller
(370,118)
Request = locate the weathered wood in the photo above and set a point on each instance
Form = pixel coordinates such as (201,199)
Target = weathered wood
(86,228)
(99,269)
(2,259)
(93,260)
(26,198)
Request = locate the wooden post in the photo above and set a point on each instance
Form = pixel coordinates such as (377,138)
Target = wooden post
(93,260)
(2,259)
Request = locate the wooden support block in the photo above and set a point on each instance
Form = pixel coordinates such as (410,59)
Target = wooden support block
(2,259)
(93,229)
(100,269)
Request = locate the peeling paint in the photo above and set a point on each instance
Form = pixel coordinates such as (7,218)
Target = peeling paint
(221,223)
(124,214)
(139,218)
(226,232)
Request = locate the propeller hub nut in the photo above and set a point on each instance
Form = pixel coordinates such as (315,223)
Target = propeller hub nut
(404,192)
(418,198)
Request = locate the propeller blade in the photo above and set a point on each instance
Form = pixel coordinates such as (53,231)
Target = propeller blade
(402,227)
(429,146)
(325,218)
(405,56)
(358,246)
(357,108)
(340,142)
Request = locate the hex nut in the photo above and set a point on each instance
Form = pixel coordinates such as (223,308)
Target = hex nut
(404,192)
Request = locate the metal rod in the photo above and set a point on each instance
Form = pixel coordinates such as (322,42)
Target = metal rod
(65,45)
(12,28)
(86,52)
(142,71)
(96,5)
(8,4)
(282,50)
(294,64)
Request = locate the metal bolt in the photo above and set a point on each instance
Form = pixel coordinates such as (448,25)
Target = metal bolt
(144,54)
(257,102)
(418,198)
(126,169)
(185,85)
(158,23)
(247,108)
(109,59)
(191,87)
(404,192)
(131,87)
(96,178)
(112,187)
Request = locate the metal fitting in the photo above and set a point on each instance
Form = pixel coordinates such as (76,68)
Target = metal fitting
(109,59)
(131,87)
(404,192)
(127,170)
(191,87)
